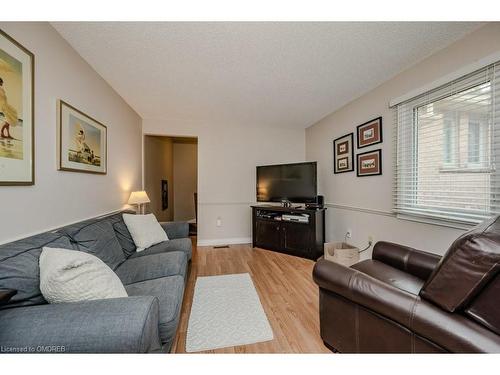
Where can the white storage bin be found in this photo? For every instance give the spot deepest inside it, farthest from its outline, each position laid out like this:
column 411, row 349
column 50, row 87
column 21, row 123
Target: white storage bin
column 342, row 253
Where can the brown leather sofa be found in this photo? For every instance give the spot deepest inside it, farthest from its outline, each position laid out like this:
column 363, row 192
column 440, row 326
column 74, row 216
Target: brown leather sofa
column 409, row 301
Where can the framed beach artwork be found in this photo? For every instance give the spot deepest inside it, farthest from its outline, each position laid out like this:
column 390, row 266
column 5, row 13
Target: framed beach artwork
column 369, row 163
column 82, row 141
column 343, row 154
column 370, row 133
column 17, row 134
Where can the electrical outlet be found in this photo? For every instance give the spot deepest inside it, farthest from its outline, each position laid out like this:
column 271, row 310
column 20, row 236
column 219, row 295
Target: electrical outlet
column 218, row 222
column 348, row 234
column 370, row 240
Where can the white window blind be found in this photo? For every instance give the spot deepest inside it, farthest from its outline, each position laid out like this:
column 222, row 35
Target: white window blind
column 447, row 151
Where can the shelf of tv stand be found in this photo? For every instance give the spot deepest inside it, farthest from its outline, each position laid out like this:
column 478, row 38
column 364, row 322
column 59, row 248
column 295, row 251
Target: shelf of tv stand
column 282, row 221
column 303, row 239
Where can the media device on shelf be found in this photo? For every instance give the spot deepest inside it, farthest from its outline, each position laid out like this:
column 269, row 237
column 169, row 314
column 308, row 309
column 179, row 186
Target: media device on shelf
column 287, row 183
column 299, row 218
column 320, row 203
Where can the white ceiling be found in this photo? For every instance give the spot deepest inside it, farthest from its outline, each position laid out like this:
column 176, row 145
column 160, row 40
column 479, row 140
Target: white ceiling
column 252, row 74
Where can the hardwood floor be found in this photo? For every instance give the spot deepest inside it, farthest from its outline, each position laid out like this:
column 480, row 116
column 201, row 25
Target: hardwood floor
column 286, row 290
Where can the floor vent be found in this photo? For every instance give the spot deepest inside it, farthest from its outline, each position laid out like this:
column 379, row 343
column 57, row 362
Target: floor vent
column 221, row 247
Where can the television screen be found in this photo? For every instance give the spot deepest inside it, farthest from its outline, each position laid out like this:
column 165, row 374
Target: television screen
column 294, row 182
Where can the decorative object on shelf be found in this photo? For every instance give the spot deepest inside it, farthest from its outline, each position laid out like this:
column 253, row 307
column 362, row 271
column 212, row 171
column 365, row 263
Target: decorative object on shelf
column 82, row 141
column 370, row 133
column 164, row 194
column 369, row 163
column 343, row 154
column 17, row 122
column 139, row 198
column 341, row 253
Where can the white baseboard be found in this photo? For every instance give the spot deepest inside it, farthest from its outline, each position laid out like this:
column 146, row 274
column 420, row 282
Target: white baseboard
column 225, row 241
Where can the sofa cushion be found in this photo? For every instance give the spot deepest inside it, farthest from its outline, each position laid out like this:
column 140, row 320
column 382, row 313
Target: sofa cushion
column 75, row 276
column 390, row 275
column 145, row 230
column 122, row 234
column 125, row 238
column 19, row 267
column 169, row 291
column 134, row 270
column 97, row 237
column 175, row 229
column 485, row 308
column 179, row 244
column 468, row 265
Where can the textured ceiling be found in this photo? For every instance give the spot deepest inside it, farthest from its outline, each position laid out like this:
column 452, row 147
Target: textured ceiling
column 252, row 74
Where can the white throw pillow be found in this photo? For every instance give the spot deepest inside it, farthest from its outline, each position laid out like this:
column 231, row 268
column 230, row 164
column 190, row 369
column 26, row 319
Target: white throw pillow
column 145, row 230
column 74, row 276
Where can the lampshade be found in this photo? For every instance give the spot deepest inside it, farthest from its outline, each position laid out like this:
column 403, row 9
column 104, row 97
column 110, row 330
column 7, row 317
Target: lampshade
column 138, row 197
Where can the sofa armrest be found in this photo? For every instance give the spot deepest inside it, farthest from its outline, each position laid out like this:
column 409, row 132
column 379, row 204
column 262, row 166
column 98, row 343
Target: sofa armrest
column 415, row 262
column 365, row 290
column 454, row 332
column 176, row 229
column 117, row 325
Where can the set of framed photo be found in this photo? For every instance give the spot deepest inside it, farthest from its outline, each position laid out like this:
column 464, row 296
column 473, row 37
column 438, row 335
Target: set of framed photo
column 81, row 140
column 368, row 163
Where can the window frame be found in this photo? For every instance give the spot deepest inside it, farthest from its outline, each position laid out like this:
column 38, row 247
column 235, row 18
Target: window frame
column 409, row 195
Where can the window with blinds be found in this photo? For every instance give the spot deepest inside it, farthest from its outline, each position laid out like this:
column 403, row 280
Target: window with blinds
column 447, row 147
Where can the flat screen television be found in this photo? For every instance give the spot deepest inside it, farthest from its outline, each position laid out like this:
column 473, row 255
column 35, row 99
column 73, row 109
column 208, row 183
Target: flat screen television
column 296, row 183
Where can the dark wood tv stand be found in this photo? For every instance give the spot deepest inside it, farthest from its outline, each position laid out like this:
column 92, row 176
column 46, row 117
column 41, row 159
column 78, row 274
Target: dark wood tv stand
column 303, row 239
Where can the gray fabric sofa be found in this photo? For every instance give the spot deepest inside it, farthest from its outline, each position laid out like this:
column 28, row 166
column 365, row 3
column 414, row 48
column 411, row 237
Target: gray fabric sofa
column 144, row 322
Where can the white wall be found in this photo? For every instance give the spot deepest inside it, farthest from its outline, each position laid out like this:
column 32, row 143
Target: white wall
column 58, row 198
column 227, row 157
column 364, row 204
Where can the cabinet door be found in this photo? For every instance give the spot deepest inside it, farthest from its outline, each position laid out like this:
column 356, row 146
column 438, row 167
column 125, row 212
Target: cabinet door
column 297, row 238
column 268, row 235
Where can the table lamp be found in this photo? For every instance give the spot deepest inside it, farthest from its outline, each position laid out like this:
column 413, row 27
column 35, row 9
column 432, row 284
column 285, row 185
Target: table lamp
column 139, row 198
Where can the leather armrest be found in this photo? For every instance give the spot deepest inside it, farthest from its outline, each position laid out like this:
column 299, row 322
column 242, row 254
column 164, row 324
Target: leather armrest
column 365, row 290
column 451, row 331
column 415, row 262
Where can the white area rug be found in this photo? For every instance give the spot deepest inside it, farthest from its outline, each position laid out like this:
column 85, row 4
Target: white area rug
column 226, row 311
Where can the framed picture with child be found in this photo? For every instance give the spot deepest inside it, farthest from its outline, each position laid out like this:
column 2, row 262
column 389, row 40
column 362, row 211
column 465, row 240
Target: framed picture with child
column 17, row 166
column 82, row 141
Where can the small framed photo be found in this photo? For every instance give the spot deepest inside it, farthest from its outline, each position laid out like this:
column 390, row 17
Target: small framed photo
column 17, row 120
column 82, row 141
column 343, row 154
column 369, row 163
column 370, row 133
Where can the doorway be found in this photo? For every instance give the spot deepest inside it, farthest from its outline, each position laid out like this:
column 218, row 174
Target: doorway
column 171, row 178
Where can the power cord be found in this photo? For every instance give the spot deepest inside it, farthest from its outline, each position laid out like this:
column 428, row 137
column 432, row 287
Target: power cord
column 366, row 248
column 370, row 242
